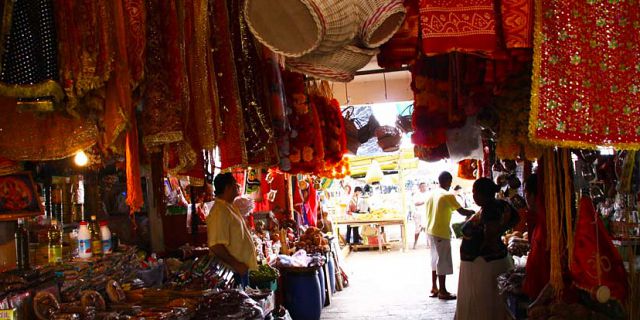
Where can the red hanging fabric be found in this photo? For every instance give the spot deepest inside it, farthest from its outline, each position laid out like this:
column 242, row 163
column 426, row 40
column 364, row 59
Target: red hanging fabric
column 458, row 25
column 596, row 261
column 517, row 23
column 586, row 79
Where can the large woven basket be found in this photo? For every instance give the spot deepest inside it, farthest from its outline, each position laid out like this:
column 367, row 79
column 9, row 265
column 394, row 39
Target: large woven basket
column 319, row 72
column 346, row 60
column 294, row 28
column 379, row 20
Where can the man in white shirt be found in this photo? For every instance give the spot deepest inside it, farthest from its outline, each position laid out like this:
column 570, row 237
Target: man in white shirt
column 419, row 215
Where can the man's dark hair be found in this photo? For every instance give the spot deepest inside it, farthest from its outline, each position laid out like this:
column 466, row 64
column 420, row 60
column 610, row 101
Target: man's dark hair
column 457, row 187
column 357, row 189
column 445, row 177
column 221, row 181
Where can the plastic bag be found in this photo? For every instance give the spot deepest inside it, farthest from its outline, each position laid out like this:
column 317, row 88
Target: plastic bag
column 465, row 142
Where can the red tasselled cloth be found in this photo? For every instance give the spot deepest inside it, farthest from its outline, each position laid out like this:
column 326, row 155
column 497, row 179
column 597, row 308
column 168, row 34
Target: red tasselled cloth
column 596, row 261
column 458, row 25
column 586, row 78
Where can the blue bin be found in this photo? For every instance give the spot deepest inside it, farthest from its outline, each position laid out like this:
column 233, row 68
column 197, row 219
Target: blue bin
column 302, row 293
column 323, row 285
column 332, row 273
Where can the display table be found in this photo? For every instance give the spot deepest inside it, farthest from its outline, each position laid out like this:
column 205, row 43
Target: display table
column 379, row 223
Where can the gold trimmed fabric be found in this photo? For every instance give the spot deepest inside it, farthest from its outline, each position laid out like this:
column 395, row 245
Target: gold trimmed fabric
column 586, row 81
column 39, row 137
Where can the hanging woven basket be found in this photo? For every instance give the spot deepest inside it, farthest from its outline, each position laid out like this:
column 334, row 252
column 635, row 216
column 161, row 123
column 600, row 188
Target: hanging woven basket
column 340, row 65
column 379, row 20
column 295, row 28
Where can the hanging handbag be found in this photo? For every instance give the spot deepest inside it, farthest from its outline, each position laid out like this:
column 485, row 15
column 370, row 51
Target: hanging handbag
column 404, row 119
column 351, row 125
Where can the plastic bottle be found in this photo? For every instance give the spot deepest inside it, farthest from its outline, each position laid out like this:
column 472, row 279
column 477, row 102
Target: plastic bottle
column 22, row 246
column 96, row 240
column 105, row 236
column 55, row 243
column 84, row 241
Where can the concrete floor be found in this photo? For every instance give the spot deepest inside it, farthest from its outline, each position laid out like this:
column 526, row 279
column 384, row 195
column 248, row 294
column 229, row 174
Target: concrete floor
column 392, row 285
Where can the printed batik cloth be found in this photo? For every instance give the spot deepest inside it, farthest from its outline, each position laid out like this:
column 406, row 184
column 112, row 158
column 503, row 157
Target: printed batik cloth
column 586, row 88
column 458, row 25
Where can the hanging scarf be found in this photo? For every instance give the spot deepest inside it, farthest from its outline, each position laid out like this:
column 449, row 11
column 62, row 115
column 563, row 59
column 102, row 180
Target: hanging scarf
column 231, row 141
column 458, row 25
column 596, row 262
column 517, row 23
column 586, row 83
column 85, row 46
column 258, row 128
column 29, row 55
column 162, row 121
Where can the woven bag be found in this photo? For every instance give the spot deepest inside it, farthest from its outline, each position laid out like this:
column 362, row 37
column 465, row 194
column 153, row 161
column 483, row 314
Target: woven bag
column 379, row 20
column 294, row 28
column 389, row 138
column 351, row 129
column 403, row 121
column 339, row 65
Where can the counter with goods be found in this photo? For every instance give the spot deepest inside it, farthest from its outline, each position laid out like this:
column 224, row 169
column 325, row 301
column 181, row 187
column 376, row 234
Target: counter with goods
column 126, row 285
column 376, row 219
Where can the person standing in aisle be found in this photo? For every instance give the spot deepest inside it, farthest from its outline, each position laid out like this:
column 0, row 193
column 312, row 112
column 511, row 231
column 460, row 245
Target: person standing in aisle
column 355, row 205
column 228, row 236
column 439, row 206
column 484, row 255
column 420, row 212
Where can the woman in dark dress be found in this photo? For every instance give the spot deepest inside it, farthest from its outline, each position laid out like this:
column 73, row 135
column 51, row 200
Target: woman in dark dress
column 484, row 255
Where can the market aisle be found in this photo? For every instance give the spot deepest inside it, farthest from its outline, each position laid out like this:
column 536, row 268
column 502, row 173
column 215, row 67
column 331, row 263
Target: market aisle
column 392, row 285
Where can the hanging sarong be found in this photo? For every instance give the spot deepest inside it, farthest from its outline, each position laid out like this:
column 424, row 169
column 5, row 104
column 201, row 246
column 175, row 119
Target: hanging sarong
column 586, row 82
column 29, row 59
column 458, row 25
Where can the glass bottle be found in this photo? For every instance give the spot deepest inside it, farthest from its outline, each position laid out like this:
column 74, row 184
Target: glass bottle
column 96, row 239
column 55, row 243
column 22, row 246
column 56, row 203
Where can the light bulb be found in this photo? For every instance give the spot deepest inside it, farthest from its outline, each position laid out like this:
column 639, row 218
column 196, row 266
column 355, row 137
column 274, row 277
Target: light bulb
column 81, row 159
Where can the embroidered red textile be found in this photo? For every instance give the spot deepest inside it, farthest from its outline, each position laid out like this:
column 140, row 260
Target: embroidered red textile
column 586, row 89
column 517, row 23
column 596, row 261
column 458, row 25
column 231, row 140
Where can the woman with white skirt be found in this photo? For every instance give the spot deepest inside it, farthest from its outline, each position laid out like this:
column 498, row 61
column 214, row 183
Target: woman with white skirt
column 484, row 255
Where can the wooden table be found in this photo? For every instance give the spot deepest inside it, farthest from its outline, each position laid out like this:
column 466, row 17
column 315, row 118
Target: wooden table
column 379, row 223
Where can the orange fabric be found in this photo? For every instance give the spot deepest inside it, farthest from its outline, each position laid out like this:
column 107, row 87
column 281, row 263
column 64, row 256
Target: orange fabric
column 119, row 100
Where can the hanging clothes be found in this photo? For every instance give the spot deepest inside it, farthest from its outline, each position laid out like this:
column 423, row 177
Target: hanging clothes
column 586, row 78
column 597, row 262
column 231, row 141
column 29, row 60
column 458, row 25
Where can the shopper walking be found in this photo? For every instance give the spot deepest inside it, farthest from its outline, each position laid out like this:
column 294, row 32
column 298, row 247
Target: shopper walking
column 439, row 206
column 484, row 255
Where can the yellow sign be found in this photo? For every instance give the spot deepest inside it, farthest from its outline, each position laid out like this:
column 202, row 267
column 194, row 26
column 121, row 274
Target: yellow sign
column 10, row 314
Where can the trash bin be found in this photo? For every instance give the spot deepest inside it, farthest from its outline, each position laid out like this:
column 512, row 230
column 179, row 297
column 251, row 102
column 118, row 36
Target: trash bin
column 302, row 292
